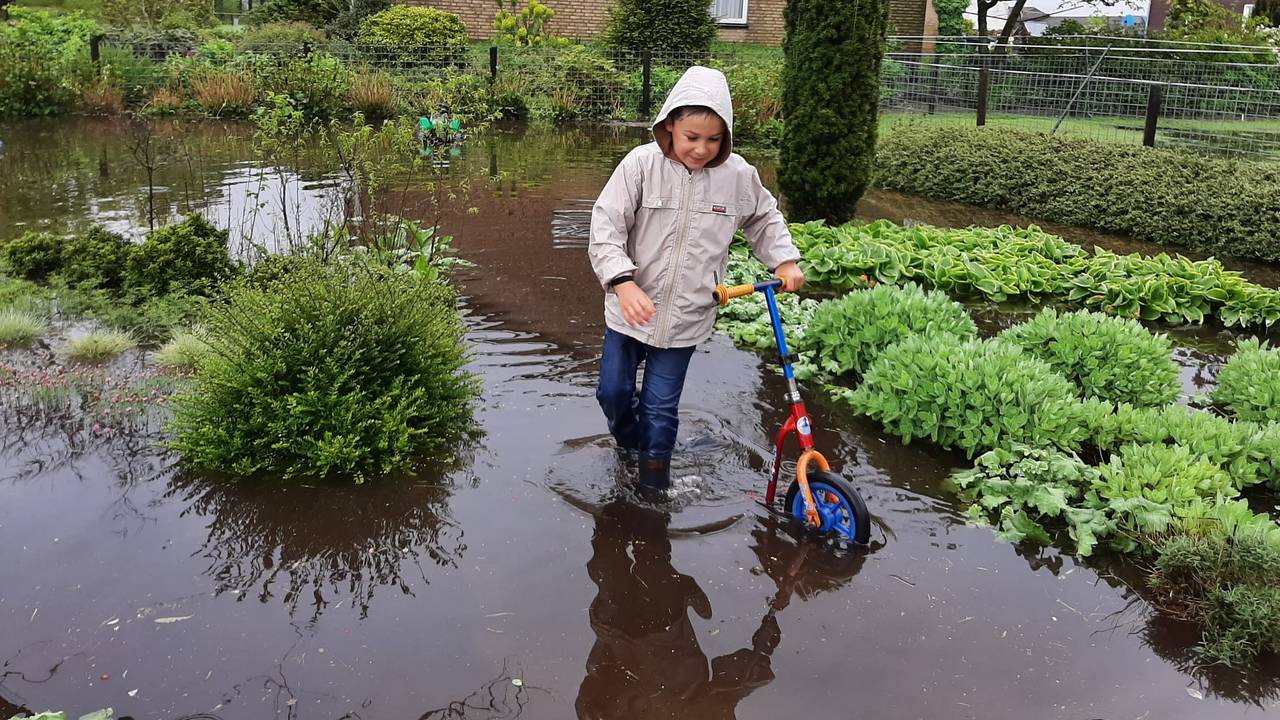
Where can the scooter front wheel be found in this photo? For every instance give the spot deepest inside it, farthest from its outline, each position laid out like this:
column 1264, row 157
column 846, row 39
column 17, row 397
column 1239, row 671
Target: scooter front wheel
column 842, row 512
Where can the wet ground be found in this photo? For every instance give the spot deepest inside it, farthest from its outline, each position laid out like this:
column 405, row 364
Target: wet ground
column 518, row 583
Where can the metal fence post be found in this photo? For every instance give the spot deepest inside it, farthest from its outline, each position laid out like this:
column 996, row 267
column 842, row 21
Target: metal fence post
column 1155, row 97
column 95, row 53
column 493, row 63
column 984, row 82
column 646, row 86
column 933, row 87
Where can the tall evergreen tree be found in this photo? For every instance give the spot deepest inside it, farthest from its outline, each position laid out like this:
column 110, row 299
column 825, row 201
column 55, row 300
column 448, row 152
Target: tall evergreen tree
column 830, row 102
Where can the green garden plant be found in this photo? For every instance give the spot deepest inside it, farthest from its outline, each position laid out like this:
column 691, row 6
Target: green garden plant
column 19, row 327
column 1203, row 203
column 1108, row 358
column 828, row 149
column 413, row 36
column 189, row 257
column 660, row 26
column 33, row 255
column 183, row 351
column 847, row 334
column 1249, row 384
column 338, row 369
column 524, row 26
column 284, row 36
column 100, row 345
column 95, row 258
column 974, row 395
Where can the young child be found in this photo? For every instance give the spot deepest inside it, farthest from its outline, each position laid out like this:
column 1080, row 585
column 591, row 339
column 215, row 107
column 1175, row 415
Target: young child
column 660, row 234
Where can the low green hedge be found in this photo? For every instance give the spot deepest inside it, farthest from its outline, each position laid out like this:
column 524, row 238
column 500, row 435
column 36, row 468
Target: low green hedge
column 1229, row 207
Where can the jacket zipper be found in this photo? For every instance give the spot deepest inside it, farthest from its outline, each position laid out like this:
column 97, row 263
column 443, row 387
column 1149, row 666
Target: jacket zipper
column 665, row 326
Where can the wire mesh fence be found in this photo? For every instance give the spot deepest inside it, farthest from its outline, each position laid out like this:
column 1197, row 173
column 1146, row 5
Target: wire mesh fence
column 1219, row 99
column 1198, row 97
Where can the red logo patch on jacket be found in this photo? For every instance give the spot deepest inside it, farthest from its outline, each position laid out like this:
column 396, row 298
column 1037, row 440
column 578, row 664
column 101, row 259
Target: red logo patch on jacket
column 719, row 209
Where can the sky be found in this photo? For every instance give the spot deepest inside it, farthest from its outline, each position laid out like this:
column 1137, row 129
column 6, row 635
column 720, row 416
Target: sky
column 1070, row 8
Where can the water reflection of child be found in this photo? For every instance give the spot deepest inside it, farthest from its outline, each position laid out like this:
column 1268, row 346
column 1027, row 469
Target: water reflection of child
column 660, row 235
column 646, row 661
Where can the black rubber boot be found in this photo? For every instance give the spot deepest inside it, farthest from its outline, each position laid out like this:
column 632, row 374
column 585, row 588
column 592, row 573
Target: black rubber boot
column 655, row 478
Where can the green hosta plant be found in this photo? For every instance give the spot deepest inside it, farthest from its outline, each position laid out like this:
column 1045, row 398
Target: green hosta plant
column 1144, row 486
column 746, row 319
column 1109, row 358
column 975, row 395
column 1249, row 384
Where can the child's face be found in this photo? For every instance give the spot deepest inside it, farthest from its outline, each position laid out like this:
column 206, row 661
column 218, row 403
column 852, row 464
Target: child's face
column 695, row 139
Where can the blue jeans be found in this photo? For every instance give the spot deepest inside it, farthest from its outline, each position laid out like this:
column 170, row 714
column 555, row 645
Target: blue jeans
column 646, row 421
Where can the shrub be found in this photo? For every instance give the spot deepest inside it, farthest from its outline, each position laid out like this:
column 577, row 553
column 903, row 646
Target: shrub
column 33, row 80
column 974, row 395
column 285, row 37
column 565, row 82
column 103, row 96
column 19, row 327
column 413, row 36
column 317, row 85
column 1143, row 486
column 1249, row 384
column 527, row 26
column 99, row 345
column 182, row 351
column 1208, row 204
column 661, row 26
column 661, row 80
column 373, row 94
column 340, row 19
column 188, row 257
column 217, row 52
column 828, row 148
column 163, row 102
column 757, row 101
column 96, row 258
column 224, row 93
column 847, row 334
column 33, row 255
column 467, row 96
column 1109, row 358
column 329, row 370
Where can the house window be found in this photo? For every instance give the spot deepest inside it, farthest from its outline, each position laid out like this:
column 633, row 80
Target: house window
column 729, row 12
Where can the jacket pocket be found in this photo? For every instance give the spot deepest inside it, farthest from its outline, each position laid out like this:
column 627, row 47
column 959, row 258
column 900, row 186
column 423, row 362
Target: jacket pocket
column 717, row 208
column 660, row 202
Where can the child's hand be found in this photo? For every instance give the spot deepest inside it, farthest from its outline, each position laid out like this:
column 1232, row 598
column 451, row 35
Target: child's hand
column 637, row 308
column 792, row 276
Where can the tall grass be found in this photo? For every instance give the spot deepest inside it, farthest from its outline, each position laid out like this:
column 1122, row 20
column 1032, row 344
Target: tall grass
column 224, row 93
column 373, row 94
column 19, row 327
column 99, row 345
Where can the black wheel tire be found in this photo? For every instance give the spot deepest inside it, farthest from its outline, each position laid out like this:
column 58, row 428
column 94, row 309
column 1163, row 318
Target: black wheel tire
column 861, row 520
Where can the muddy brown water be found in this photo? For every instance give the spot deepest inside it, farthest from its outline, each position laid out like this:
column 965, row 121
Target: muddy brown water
column 518, row 582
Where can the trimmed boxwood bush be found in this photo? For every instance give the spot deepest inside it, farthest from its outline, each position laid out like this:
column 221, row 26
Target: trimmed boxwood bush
column 33, row 255
column 189, row 257
column 330, row 369
column 96, row 258
column 1215, row 205
column 847, row 334
column 975, row 395
column 1109, row 358
column 661, row 26
column 831, row 99
column 1249, row 384
column 414, row 36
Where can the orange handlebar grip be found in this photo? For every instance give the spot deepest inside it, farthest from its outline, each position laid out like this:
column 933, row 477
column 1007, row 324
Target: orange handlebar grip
column 724, row 294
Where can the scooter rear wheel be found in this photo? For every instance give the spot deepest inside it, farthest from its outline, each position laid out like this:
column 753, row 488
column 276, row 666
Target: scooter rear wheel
column 843, row 514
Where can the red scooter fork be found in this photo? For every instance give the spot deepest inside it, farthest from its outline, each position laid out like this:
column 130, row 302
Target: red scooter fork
column 798, row 423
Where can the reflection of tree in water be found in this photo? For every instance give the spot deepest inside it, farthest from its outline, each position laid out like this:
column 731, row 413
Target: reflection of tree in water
column 505, row 696
column 328, row 540
column 646, row 661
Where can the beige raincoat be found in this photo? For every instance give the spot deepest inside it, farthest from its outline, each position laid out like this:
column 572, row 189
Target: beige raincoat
column 671, row 228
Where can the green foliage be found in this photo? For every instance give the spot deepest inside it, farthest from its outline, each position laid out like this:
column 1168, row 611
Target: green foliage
column 216, row 52
column 318, row 85
column 1207, row 204
column 661, row 80
column 467, row 95
column 96, row 258
column 414, row 36
column 1002, row 263
column 284, row 36
column 43, row 57
column 19, row 327
column 564, row 82
column 1109, row 358
column 756, row 88
column 524, row 26
column 182, row 351
column 951, row 20
column 163, row 14
column 1243, row 622
column 747, row 320
column 1249, row 384
column 99, row 345
column 1144, row 485
column 847, row 334
column 332, row 369
column 660, row 26
column 341, row 18
column 33, row 255
column 189, row 257
column 830, row 97
column 975, row 395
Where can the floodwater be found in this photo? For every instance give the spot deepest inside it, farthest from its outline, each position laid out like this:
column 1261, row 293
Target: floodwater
column 518, row 582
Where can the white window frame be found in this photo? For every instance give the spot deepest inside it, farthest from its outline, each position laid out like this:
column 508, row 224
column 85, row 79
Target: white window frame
column 735, row 22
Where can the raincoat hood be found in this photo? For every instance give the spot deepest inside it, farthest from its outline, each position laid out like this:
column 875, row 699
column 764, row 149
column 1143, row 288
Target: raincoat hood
column 698, row 86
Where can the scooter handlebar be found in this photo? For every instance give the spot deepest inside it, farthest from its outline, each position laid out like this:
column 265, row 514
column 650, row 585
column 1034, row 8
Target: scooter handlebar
column 724, row 293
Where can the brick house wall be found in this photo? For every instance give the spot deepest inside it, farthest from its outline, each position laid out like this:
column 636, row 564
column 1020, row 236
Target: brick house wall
column 581, row 19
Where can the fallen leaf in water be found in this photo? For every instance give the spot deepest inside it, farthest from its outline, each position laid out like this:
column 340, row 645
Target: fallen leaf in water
column 171, row 620
column 517, row 682
column 133, row 692
column 1195, row 693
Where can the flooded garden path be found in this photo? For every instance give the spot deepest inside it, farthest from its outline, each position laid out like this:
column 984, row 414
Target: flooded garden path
column 514, row 582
